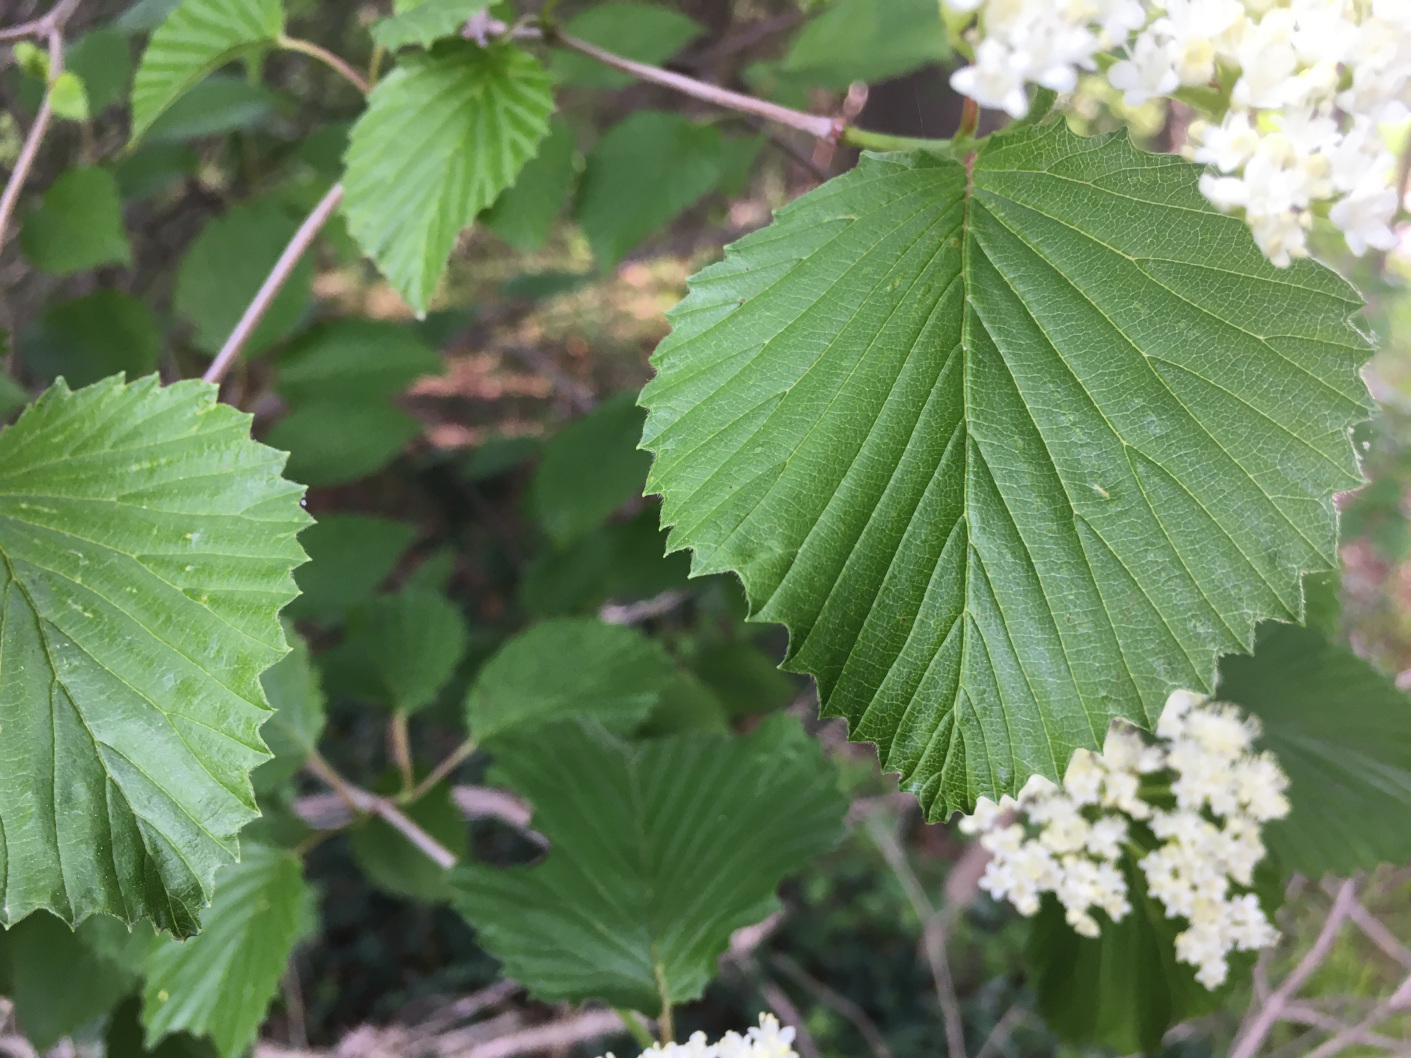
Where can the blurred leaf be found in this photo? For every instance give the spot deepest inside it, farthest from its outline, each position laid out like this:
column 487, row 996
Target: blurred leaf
column 103, row 59
column 568, row 667
column 395, row 865
column 645, row 32
column 1123, row 988
column 220, row 983
column 349, row 556
column 79, row 225
column 1322, row 602
column 542, row 286
column 32, row 60
column 413, row 641
column 498, row 455
column 434, row 573
column 868, row 40
column 329, row 443
column 525, row 212
column 443, row 134
column 69, row 98
column 686, row 705
column 591, row 467
column 198, row 38
column 645, row 171
column 743, row 678
column 623, row 562
column 145, row 16
column 124, row 1037
column 426, row 23
column 154, row 168
column 1342, row 732
column 737, row 166
column 61, row 979
column 217, row 105
column 292, row 687
column 147, row 544
column 12, row 395
column 353, row 360
column 93, row 337
column 224, row 268
column 659, row 851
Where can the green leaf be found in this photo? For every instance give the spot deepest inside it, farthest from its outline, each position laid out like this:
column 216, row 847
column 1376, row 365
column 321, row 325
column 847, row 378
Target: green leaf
column 155, row 168
column 124, row 1037
column 868, row 40
column 395, row 865
column 79, row 225
column 32, row 60
column 659, row 851
column 442, row 136
column 568, row 667
column 91, row 338
column 644, row 172
column 1013, row 462
column 743, row 678
column 224, row 268
column 292, row 733
column 623, row 562
column 198, row 38
column 1125, row 987
column 644, row 32
column 353, row 360
column 220, row 984
column 525, row 212
column 69, row 98
column 349, row 556
column 686, row 705
column 413, row 641
column 13, row 396
column 61, row 979
column 103, row 59
column 146, row 545
column 426, row 23
column 1342, row 732
column 329, row 443
column 216, row 106
column 591, row 468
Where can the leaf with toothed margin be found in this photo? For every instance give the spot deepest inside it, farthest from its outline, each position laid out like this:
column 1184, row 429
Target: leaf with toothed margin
column 1012, row 446
column 146, row 544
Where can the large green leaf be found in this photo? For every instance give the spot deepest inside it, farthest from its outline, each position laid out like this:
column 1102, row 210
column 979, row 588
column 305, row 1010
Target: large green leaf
column 349, row 556
column 1010, row 453
column 659, row 850
column 1342, row 732
column 569, row 667
column 79, row 225
column 220, row 983
column 103, row 58
column 196, row 39
column 442, row 136
column 330, row 443
column 525, row 212
column 591, row 468
column 412, row 642
column 146, row 545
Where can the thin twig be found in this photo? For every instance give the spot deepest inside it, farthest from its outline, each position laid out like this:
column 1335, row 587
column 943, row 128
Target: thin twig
column 1302, row 1014
column 333, row 62
column 999, row 1035
column 450, row 764
column 44, row 25
column 935, row 926
column 274, row 283
column 1251, row 1038
column 11, row 196
column 1379, row 935
column 785, row 1011
column 816, row 125
column 866, row 1027
column 366, row 803
column 1350, row 1036
column 401, row 744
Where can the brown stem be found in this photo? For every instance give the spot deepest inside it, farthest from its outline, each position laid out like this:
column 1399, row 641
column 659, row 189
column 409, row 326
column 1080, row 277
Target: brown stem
column 333, row 62
column 11, row 196
column 365, row 803
column 1248, row 1042
column 274, row 283
column 969, row 119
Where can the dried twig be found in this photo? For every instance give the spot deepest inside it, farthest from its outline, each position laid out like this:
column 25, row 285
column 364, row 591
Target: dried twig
column 1251, row 1036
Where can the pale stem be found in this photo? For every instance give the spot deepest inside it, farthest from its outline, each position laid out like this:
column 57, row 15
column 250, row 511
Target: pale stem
column 1352, row 1035
column 333, row 62
column 450, row 764
column 366, row 803
column 274, row 283
column 1248, row 1042
column 11, row 196
column 402, row 748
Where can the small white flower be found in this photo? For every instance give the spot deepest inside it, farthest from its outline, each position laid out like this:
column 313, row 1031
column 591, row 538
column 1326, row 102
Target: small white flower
column 1364, row 215
column 996, row 79
column 1149, row 72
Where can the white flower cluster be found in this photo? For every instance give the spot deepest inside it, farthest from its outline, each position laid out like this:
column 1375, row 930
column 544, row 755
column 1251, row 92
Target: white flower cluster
column 767, row 1040
column 1209, row 793
column 1310, row 86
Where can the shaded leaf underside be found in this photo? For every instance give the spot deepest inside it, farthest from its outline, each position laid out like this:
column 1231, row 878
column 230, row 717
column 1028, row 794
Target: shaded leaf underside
column 1010, row 454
